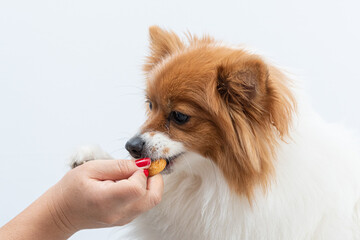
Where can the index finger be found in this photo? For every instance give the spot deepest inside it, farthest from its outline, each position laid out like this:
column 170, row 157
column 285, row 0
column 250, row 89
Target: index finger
column 110, row 169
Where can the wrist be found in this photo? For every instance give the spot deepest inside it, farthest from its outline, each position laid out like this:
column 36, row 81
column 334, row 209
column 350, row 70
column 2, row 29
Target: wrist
column 43, row 219
column 59, row 212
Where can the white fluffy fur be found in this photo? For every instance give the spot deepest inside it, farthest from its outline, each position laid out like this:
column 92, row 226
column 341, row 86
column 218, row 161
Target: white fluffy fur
column 315, row 194
column 158, row 145
column 87, row 153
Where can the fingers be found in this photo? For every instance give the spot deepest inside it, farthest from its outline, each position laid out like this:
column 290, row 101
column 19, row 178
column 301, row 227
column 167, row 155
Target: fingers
column 110, row 169
column 152, row 196
column 155, row 186
column 142, row 194
column 139, row 178
column 128, row 183
column 130, row 189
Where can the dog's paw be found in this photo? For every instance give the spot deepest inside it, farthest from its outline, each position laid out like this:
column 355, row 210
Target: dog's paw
column 87, row 153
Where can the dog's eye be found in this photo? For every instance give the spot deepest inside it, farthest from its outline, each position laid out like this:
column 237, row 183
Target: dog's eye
column 150, row 105
column 179, row 118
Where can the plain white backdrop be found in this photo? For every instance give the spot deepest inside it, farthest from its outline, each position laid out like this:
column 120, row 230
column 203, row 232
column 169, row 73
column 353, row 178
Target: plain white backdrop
column 70, row 73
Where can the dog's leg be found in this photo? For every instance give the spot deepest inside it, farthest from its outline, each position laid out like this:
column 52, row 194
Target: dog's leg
column 87, row 153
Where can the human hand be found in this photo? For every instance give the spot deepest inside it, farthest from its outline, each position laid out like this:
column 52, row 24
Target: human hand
column 103, row 193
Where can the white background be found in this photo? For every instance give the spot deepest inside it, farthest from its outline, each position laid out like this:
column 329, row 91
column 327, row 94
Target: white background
column 70, row 73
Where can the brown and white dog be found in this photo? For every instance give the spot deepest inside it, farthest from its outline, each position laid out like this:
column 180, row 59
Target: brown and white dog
column 241, row 163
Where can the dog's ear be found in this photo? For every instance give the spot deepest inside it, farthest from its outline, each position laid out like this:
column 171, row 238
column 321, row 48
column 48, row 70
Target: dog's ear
column 248, row 86
column 242, row 82
column 162, row 44
column 259, row 105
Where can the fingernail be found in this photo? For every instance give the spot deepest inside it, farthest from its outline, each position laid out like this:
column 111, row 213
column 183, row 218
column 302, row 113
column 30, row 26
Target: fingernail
column 143, row 162
column 146, row 172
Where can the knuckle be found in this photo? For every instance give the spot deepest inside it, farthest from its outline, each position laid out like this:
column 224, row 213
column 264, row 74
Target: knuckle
column 123, row 166
column 136, row 190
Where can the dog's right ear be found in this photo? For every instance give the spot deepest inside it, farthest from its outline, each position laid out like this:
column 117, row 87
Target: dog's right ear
column 162, row 44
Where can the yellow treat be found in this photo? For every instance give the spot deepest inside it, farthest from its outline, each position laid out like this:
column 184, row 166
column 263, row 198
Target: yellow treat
column 157, row 166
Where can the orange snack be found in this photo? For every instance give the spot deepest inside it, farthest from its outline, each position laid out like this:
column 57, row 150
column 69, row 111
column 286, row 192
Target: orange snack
column 157, row 166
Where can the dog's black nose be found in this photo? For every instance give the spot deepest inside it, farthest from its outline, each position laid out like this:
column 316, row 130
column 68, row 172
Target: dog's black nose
column 135, row 146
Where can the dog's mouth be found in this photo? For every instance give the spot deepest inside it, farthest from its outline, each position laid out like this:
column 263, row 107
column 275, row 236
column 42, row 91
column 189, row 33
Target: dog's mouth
column 169, row 162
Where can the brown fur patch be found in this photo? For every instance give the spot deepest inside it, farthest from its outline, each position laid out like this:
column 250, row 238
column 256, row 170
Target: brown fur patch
column 166, row 150
column 240, row 106
column 153, row 149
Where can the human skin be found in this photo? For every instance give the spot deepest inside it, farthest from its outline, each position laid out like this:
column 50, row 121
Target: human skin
column 97, row 194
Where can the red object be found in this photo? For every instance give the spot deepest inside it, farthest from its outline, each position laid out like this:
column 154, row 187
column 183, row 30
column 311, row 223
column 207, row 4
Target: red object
column 143, row 162
column 146, row 172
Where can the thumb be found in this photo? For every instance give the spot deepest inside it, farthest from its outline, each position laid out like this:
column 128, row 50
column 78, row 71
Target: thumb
column 110, row 169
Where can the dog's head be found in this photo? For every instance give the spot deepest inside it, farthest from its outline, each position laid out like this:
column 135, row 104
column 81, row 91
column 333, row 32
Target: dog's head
column 220, row 102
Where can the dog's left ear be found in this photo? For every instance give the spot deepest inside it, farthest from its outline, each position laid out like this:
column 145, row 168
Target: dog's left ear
column 259, row 105
column 260, row 93
column 162, row 44
column 242, row 82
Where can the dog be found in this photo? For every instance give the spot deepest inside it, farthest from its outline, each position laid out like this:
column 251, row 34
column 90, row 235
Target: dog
column 247, row 159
